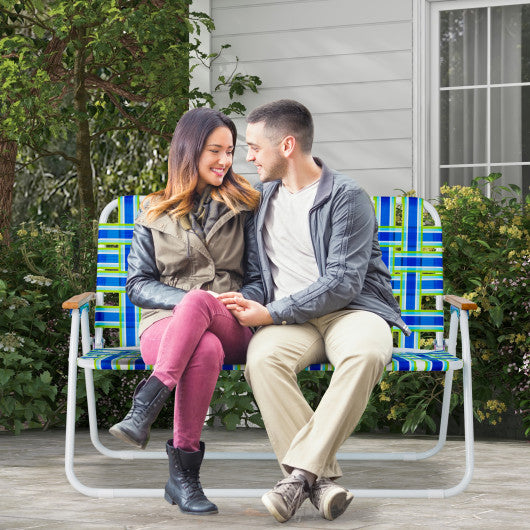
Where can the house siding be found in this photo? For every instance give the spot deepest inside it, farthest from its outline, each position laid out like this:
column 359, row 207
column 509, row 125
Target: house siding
column 348, row 61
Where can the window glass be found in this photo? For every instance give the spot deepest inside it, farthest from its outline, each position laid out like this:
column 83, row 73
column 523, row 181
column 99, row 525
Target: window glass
column 463, row 126
column 467, row 114
column 463, row 45
column 506, row 123
column 510, row 44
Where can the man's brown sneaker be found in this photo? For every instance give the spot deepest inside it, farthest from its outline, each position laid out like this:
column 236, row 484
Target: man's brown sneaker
column 330, row 499
column 286, row 497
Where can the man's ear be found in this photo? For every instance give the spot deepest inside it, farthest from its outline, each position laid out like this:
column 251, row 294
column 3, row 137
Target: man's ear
column 287, row 146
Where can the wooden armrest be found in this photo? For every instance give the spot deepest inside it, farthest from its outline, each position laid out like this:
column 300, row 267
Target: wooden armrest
column 78, row 300
column 458, row 301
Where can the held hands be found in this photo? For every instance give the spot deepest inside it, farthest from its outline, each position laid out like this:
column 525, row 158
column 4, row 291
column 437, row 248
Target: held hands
column 247, row 312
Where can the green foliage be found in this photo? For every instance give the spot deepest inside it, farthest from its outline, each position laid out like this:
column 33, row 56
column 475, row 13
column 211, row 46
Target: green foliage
column 233, row 402
column 77, row 76
column 26, row 389
column 487, row 260
column 37, row 271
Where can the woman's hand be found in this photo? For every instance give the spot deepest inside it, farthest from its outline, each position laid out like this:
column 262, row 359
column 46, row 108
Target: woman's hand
column 247, row 312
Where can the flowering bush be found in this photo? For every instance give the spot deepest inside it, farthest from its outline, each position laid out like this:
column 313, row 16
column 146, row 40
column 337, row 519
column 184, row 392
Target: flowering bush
column 36, row 272
column 487, row 258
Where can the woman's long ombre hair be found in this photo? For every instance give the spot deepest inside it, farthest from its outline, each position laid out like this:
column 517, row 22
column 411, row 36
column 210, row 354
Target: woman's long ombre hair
column 187, row 145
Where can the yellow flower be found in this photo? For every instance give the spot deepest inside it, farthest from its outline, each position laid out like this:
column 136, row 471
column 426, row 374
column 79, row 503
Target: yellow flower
column 383, row 397
column 521, row 337
column 34, row 233
column 514, row 232
column 384, row 385
column 22, row 232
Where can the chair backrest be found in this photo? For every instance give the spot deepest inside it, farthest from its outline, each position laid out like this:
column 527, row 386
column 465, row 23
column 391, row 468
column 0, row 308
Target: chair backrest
column 410, row 236
column 114, row 310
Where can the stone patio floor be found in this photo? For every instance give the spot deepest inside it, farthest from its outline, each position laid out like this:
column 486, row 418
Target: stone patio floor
column 34, row 491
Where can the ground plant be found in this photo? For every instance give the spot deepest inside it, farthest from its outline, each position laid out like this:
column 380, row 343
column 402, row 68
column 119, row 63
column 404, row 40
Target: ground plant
column 40, row 268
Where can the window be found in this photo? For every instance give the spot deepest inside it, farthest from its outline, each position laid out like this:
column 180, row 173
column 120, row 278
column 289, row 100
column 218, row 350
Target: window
column 481, row 92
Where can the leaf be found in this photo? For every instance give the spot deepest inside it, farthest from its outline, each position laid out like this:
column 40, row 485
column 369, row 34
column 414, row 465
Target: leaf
column 46, row 378
column 231, row 421
column 5, row 375
column 497, row 315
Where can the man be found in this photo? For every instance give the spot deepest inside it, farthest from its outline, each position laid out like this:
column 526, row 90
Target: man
column 327, row 297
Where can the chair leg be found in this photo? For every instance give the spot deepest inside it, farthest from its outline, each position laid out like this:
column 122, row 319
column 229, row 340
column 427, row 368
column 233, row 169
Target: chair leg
column 125, row 454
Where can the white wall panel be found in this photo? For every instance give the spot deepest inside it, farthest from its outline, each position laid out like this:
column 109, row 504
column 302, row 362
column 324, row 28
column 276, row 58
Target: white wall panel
column 368, row 154
column 315, row 42
column 348, row 61
column 358, row 68
column 258, row 17
column 336, row 98
column 382, row 181
column 341, row 126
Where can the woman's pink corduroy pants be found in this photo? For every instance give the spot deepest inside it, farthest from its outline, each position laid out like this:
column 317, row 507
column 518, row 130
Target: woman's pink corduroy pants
column 188, row 350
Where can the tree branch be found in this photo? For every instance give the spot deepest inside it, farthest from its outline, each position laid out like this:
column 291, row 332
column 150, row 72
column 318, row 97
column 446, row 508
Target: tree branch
column 134, row 120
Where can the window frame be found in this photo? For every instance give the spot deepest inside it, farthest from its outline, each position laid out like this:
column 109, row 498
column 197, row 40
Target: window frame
column 426, row 92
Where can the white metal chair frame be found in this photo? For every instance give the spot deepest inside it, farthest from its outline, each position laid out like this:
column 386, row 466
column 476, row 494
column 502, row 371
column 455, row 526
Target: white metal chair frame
column 80, row 329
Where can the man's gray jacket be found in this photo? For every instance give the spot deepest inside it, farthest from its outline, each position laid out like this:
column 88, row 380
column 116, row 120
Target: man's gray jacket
column 344, row 235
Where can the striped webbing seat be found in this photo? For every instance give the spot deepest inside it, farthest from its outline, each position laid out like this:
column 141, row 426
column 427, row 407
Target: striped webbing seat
column 411, row 251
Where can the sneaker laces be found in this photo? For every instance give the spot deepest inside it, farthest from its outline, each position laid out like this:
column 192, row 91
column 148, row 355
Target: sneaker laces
column 318, row 489
column 293, row 490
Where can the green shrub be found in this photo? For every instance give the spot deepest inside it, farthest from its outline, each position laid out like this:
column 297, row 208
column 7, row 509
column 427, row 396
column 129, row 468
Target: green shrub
column 36, row 271
column 487, row 259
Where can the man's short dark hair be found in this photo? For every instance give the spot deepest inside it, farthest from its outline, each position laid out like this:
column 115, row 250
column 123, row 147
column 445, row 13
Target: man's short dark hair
column 285, row 117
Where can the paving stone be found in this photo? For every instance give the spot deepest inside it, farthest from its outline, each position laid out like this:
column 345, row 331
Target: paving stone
column 35, row 494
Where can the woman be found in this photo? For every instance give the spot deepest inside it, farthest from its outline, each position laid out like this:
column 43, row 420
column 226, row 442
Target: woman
column 188, row 246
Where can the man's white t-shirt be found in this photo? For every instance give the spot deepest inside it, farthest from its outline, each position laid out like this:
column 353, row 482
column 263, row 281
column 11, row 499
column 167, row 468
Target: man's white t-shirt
column 288, row 240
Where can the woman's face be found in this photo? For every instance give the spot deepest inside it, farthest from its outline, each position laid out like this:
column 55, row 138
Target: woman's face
column 215, row 159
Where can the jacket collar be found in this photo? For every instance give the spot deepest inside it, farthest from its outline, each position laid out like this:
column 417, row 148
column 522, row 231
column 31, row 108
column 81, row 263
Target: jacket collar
column 166, row 224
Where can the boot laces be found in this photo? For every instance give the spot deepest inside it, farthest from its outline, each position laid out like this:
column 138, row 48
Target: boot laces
column 191, row 482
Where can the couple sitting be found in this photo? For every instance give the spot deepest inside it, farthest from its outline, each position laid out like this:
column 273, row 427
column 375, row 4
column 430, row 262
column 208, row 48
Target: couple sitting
column 213, row 259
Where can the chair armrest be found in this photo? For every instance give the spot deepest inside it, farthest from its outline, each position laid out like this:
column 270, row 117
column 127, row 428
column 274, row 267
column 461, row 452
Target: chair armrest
column 458, row 301
column 78, row 300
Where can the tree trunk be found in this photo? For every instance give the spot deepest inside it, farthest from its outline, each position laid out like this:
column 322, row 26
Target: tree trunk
column 85, row 184
column 8, row 155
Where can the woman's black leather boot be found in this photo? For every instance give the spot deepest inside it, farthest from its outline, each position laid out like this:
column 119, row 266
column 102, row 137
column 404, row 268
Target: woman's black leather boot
column 148, row 399
column 183, row 487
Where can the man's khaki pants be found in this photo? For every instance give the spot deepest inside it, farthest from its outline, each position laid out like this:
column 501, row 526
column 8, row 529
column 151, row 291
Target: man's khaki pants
column 357, row 343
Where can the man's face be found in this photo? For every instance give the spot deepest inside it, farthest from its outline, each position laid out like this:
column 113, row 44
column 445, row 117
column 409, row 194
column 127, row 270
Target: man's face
column 266, row 155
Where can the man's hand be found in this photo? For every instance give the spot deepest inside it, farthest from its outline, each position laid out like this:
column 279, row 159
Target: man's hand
column 247, row 312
